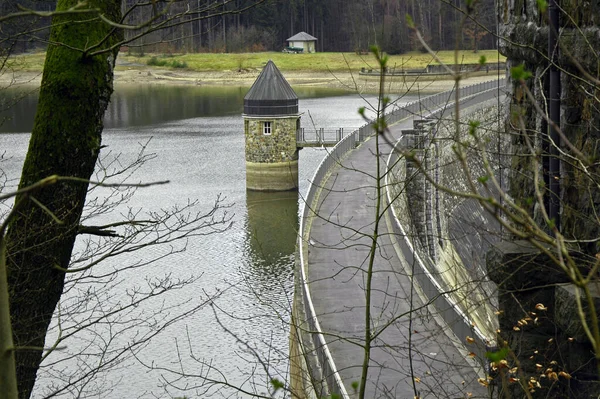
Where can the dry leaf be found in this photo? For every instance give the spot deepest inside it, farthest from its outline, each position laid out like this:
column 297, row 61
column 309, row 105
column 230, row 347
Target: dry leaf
column 564, row 374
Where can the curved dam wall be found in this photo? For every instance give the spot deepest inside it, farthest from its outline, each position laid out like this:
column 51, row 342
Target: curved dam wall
column 448, row 234
column 313, row 369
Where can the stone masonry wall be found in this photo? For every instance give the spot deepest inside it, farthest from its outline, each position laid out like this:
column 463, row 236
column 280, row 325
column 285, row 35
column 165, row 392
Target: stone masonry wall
column 279, row 146
column 526, row 31
column 538, row 318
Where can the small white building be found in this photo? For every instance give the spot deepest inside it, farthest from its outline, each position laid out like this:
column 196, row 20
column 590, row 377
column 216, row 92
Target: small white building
column 305, row 41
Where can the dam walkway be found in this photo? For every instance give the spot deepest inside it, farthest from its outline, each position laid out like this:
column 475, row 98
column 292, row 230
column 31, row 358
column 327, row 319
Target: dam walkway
column 414, row 349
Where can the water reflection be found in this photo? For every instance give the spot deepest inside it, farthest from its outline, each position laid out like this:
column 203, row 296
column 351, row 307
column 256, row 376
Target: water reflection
column 17, row 108
column 135, row 105
column 271, row 226
column 143, row 105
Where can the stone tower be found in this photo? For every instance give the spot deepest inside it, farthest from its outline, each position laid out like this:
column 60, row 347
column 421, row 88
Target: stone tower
column 271, row 121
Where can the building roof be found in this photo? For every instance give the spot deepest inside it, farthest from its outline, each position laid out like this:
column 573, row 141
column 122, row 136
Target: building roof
column 271, row 94
column 301, row 37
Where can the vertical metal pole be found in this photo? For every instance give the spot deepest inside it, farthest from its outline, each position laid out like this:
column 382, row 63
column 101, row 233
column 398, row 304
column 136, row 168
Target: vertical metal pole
column 554, row 110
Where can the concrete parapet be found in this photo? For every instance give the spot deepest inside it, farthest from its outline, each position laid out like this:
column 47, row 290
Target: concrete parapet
column 306, row 375
column 276, row 176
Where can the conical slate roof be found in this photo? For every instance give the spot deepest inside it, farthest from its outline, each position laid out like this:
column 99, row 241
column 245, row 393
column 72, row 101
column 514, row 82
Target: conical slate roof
column 271, row 94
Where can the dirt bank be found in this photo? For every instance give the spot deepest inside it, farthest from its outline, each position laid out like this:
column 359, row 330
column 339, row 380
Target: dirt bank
column 343, row 80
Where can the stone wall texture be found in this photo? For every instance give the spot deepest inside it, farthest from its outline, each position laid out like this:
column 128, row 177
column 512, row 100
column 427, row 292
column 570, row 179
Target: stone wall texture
column 279, row 146
column 539, row 316
column 525, row 30
column 271, row 160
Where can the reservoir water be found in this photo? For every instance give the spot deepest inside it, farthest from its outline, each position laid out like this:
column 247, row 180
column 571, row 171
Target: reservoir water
column 224, row 323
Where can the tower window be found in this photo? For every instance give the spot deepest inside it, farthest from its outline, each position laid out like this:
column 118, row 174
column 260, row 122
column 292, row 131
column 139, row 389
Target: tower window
column 267, row 128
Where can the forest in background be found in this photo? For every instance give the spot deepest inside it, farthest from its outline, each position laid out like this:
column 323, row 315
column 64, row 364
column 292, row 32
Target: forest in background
column 339, row 25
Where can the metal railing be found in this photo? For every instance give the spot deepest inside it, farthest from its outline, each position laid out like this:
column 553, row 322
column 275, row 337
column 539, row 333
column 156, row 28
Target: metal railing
column 321, row 136
column 427, row 106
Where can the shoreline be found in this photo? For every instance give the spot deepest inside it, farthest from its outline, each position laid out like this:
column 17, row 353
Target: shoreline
column 351, row 82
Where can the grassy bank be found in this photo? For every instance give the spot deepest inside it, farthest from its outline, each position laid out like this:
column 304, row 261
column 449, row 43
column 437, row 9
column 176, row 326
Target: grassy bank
column 317, row 62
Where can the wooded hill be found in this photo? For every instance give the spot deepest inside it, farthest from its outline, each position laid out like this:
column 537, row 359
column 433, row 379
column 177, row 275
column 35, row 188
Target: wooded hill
column 339, row 25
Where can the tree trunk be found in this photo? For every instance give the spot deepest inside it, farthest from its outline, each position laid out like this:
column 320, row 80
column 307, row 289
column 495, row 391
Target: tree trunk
column 65, row 141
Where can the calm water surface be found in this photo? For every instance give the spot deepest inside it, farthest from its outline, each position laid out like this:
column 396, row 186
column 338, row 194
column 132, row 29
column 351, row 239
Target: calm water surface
column 237, row 306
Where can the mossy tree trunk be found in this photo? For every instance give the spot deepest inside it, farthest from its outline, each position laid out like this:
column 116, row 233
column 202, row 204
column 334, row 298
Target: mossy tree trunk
column 65, row 140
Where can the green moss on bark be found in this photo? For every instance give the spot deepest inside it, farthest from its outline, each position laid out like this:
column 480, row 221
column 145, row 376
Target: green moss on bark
column 65, row 141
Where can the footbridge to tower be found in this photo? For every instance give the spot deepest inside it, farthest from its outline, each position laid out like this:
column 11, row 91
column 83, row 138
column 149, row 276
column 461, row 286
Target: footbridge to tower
column 422, row 308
